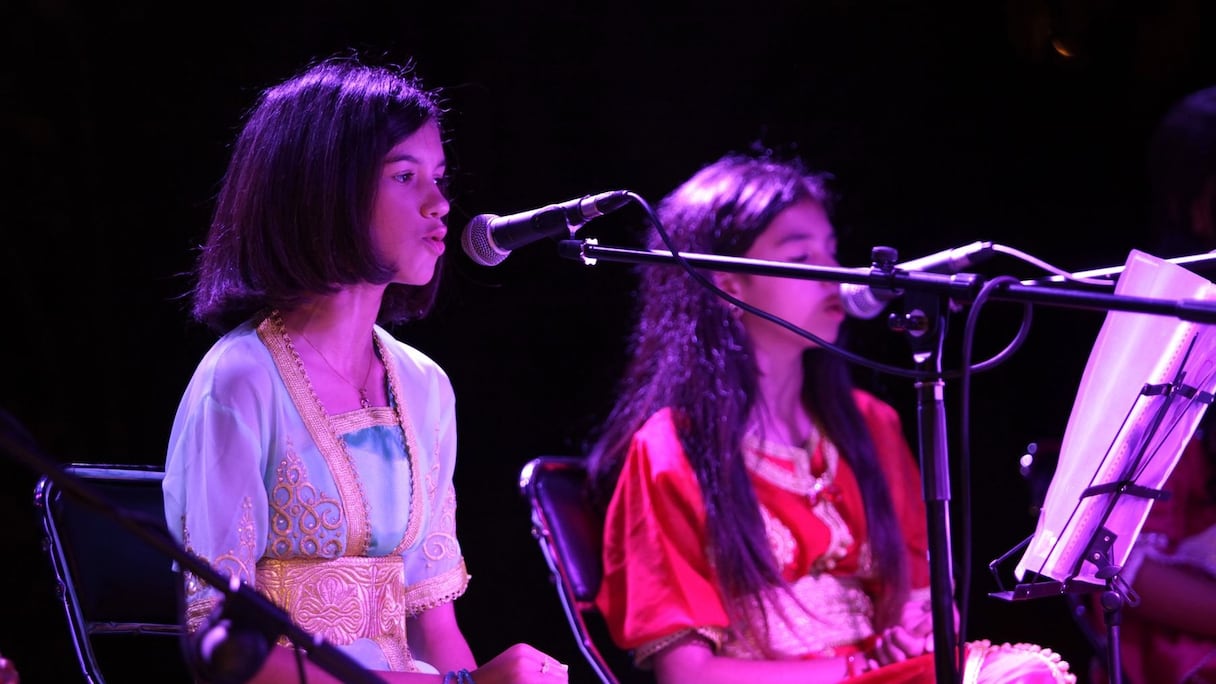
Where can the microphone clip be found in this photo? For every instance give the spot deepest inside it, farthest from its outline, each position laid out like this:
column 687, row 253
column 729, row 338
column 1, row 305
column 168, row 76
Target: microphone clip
column 883, row 263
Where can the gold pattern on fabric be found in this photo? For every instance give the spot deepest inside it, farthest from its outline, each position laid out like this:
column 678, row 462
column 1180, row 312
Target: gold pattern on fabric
column 714, row 635
column 411, row 450
column 780, row 538
column 793, row 475
column 396, row 654
column 789, row 468
column 344, row 599
column 229, row 564
column 353, row 421
column 838, row 613
column 197, row 611
column 436, row 591
column 440, row 542
column 303, row 521
column 273, row 334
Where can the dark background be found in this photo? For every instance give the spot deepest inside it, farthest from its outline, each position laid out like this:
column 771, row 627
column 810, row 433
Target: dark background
column 943, row 123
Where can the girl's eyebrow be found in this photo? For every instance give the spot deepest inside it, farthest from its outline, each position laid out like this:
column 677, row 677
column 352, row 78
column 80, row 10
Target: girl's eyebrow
column 797, row 235
column 407, row 157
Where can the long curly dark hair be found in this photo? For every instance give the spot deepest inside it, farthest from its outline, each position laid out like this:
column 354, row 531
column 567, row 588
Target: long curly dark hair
column 688, row 353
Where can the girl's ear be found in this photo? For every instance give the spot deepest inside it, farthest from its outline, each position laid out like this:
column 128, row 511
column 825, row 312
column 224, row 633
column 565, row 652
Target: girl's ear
column 731, row 284
column 728, row 282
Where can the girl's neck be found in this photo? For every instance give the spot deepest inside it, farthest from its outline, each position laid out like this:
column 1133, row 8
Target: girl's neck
column 335, row 347
column 338, row 327
column 780, row 415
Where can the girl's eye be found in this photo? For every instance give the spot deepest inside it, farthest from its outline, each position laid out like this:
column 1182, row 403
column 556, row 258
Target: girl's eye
column 404, row 177
column 444, row 184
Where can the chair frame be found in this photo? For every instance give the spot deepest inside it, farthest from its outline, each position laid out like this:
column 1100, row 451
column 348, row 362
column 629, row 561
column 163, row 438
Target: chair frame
column 52, row 502
column 576, row 602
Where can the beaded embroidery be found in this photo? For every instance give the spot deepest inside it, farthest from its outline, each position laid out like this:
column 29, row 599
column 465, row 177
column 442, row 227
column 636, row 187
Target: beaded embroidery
column 789, row 468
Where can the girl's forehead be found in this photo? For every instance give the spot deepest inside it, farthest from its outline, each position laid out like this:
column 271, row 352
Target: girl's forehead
column 804, row 220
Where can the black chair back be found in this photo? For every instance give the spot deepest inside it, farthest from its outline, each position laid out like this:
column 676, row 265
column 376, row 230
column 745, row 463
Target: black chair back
column 569, row 532
column 119, row 593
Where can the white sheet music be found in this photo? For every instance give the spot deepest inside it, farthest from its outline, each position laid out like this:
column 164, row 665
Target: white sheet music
column 1109, row 427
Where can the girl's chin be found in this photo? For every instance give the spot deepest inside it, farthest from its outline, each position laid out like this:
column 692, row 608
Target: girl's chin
column 417, row 277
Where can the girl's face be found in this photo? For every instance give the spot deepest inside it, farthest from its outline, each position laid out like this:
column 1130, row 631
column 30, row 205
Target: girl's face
column 800, row 234
column 407, row 215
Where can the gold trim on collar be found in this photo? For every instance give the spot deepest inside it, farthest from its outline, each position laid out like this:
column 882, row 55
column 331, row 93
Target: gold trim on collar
column 411, row 448
column 333, row 449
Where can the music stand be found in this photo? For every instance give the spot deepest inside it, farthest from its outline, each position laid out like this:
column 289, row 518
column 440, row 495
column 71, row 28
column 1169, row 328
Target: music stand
column 1147, row 384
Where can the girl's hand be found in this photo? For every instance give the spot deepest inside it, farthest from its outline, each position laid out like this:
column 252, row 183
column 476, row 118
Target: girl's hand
column 912, row 637
column 522, row 664
column 897, row 644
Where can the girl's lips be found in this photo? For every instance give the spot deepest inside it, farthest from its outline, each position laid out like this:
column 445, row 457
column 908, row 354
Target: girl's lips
column 436, row 243
column 435, row 240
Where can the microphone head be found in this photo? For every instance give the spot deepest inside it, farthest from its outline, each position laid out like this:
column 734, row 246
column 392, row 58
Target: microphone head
column 478, row 244
column 859, row 301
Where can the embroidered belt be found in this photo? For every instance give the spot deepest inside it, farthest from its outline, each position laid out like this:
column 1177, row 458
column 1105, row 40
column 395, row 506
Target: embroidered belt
column 344, row 599
column 837, row 613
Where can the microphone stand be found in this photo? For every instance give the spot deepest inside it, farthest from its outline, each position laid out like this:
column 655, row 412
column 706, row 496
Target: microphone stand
column 925, row 327
column 924, row 324
column 239, row 598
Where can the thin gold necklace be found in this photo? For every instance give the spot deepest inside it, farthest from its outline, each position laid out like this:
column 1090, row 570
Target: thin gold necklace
column 363, row 400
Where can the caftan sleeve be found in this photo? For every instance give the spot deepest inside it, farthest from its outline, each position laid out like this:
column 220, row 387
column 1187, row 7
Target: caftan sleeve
column 214, row 487
column 435, row 570
column 657, row 506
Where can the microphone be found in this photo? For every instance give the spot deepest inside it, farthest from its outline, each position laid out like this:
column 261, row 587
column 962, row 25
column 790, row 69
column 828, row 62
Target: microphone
column 863, row 301
column 488, row 239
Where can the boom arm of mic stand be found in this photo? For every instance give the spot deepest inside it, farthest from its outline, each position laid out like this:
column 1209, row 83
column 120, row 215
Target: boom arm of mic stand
column 271, row 619
column 1185, row 309
column 961, row 286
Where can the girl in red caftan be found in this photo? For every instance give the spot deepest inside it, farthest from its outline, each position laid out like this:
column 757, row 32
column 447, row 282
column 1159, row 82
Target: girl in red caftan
column 764, row 522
